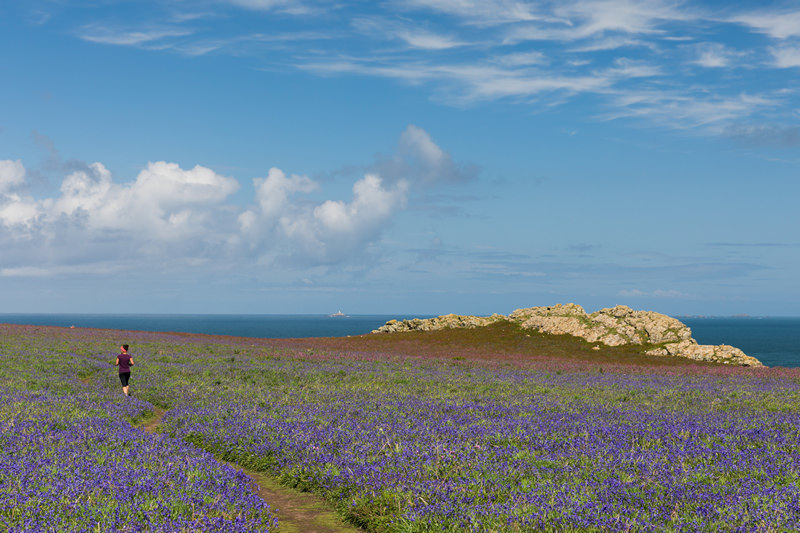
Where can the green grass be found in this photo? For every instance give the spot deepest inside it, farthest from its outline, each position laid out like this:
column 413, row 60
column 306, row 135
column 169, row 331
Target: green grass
column 501, row 341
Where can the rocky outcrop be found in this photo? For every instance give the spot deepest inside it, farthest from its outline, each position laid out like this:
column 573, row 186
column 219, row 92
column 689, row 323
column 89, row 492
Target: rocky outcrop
column 613, row 326
column 659, row 335
column 439, row 322
column 721, row 353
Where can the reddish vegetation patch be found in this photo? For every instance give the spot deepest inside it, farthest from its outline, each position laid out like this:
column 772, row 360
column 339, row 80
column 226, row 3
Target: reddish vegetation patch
column 500, row 343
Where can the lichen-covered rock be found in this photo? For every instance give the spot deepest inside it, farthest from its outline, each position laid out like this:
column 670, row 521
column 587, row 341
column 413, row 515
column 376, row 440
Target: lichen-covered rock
column 721, row 353
column 439, row 322
column 612, row 326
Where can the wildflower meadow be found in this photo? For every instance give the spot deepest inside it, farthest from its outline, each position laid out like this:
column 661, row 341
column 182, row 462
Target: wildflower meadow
column 394, row 441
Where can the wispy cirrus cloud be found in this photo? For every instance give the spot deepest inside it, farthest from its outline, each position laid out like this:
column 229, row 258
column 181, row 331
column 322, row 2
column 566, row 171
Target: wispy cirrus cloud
column 752, row 244
column 786, row 56
column 682, row 110
column 779, row 24
column 249, row 44
column 757, row 135
column 108, row 35
column 520, row 59
column 469, row 83
column 476, row 12
column 657, row 293
column 590, row 19
column 639, row 60
column 714, row 55
column 291, row 7
column 414, row 36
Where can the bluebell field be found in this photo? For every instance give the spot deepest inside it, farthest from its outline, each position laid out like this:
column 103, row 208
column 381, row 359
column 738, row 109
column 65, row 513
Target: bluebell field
column 393, row 443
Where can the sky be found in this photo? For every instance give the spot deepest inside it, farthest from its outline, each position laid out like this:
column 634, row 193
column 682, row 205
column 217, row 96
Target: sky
column 399, row 156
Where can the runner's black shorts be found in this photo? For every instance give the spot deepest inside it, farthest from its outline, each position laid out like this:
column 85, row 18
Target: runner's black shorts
column 124, row 377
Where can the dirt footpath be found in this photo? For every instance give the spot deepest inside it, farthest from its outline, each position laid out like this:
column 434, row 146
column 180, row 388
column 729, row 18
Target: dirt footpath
column 297, row 512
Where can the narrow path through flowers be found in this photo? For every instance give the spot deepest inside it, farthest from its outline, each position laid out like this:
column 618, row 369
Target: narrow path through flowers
column 297, row 512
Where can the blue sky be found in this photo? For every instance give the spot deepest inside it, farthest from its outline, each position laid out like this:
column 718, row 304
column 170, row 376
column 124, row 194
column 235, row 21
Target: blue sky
column 418, row 156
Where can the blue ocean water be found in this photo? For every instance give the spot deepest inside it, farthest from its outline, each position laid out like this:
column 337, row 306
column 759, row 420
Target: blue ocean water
column 774, row 341
column 260, row 326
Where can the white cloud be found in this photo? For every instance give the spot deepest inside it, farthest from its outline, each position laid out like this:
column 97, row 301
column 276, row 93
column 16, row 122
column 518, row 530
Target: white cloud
column 169, row 215
column 631, row 68
column 165, row 201
column 88, row 190
column 18, row 213
column 285, row 224
column 419, row 161
column 521, row 59
column 787, row 56
column 437, row 164
column 479, row 12
column 164, row 206
column 776, row 24
column 473, row 51
column 100, row 268
column 683, row 110
column 415, row 37
column 284, row 227
column 474, row 82
column 427, row 40
column 658, row 293
column 259, row 4
column 12, row 174
column 372, row 204
column 291, row 7
column 611, row 43
column 169, row 186
column 105, row 35
column 273, row 192
column 624, row 16
column 713, row 55
column 574, row 21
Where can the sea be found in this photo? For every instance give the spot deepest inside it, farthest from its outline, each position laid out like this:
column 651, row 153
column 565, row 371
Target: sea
column 775, row 341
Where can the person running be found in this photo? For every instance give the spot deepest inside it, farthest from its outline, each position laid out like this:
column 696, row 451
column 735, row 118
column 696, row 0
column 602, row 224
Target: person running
column 124, row 362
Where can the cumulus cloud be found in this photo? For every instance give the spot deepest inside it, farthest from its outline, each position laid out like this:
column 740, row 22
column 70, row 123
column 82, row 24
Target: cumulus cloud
column 165, row 201
column 169, row 214
column 421, row 162
column 284, row 227
column 166, row 209
column 12, row 174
